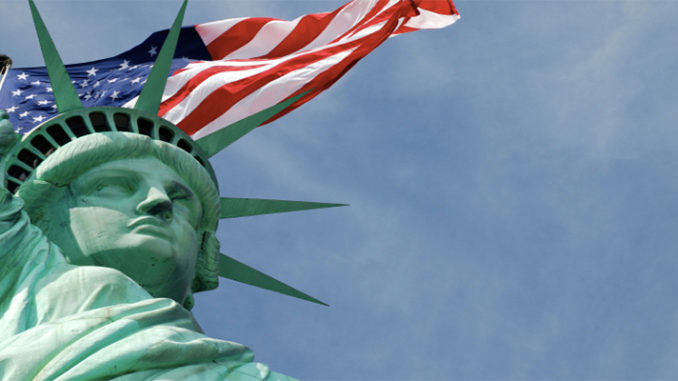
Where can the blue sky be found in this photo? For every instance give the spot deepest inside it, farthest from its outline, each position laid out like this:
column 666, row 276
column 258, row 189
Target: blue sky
column 513, row 191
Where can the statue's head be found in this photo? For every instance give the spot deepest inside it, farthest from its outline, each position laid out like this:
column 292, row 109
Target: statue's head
column 125, row 200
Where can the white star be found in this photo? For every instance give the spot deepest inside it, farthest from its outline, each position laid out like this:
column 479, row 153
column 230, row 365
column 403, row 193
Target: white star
column 87, row 96
column 29, row 97
column 37, row 83
column 96, row 84
column 84, row 83
column 124, row 65
column 49, row 90
column 11, row 109
column 114, row 96
column 136, row 80
column 16, row 92
column 92, row 71
column 43, row 102
column 112, row 80
column 153, row 51
column 22, row 76
column 23, row 114
column 38, row 119
column 54, row 107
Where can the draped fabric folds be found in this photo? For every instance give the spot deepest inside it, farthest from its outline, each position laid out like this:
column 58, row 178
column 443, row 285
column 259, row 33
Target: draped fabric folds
column 63, row 322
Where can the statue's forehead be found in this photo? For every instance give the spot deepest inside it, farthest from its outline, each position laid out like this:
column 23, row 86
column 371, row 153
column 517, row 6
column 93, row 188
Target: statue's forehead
column 134, row 169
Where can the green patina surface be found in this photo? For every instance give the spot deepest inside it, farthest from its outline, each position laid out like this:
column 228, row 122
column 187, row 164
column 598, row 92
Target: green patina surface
column 108, row 230
column 66, row 97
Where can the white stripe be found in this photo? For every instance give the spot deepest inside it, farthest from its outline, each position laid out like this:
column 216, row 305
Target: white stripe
column 272, row 93
column 360, row 33
column 232, row 63
column 177, row 81
column 431, row 20
column 268, row 37
column 211, row 30
column 196, row 68
column 207, row 87
column 347, row 18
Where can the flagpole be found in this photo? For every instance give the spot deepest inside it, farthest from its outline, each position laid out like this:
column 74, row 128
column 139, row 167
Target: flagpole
column 5, row 64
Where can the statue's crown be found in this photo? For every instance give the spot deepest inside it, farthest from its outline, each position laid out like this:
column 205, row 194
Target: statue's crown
column 47, row 138
column 75, row 121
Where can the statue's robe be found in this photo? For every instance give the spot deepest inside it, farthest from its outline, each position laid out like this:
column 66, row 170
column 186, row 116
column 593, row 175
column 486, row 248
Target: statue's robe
column 64, row 322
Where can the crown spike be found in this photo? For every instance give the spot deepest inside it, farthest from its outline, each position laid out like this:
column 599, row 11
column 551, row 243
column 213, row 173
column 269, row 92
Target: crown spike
column 217, row 141
column 151, row 95
column 240, row 272
column 64, row 93
column 242, row 207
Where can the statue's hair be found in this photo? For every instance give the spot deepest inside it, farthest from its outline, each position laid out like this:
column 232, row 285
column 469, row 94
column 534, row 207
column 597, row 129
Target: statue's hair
column 63, row 166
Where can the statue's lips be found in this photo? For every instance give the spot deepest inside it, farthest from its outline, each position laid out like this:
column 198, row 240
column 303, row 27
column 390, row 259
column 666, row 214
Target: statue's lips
column 150, row 226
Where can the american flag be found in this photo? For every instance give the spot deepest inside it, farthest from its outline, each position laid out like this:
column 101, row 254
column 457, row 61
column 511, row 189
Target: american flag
column 226, row 70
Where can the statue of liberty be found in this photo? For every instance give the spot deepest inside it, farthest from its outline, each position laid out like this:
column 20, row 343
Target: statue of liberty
column 107, row 227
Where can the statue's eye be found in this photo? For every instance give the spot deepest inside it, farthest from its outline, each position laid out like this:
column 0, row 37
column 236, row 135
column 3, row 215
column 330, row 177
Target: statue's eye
column 181, row 199
column 177, row 192
column 113, row 187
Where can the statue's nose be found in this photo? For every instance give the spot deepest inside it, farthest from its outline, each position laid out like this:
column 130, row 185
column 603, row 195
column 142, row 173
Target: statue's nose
column 157, row 203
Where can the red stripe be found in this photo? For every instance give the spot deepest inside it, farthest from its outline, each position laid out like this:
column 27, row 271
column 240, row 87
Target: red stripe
column 374, row 11
column 308, row 28
column 443, row 7
column 194, row 82
column 405, row 29
column 236, row 37
column 222, row 99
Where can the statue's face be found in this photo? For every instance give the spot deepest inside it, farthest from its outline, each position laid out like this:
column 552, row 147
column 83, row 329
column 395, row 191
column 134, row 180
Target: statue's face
column 137, row 216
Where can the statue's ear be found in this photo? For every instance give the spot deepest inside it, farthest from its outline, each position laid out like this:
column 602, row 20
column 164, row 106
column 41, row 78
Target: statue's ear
column 206, row 275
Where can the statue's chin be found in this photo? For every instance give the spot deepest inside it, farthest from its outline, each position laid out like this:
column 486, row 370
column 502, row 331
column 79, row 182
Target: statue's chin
column 150, row 258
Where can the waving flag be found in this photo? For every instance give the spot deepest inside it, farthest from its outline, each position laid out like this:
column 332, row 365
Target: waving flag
column 226, row 70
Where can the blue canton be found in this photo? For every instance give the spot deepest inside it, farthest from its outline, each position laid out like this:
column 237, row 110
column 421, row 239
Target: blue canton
column 27, row 93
